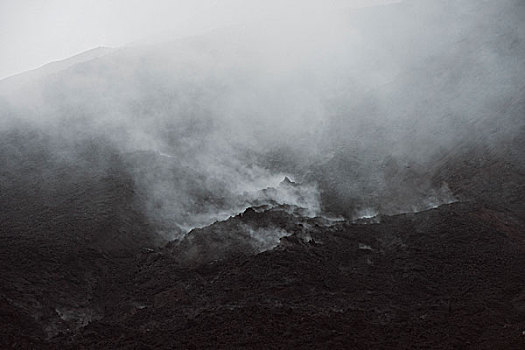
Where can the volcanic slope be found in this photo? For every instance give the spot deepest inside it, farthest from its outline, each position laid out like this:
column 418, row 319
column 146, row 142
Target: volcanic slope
column 447, row 277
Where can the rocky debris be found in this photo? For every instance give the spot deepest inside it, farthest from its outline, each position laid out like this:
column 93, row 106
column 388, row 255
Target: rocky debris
column 82, row 271
column 439, row 279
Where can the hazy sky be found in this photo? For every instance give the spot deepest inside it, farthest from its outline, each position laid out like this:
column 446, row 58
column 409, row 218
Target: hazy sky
column 36, row 32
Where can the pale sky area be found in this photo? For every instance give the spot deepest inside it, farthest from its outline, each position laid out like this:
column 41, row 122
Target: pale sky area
column 36, row 32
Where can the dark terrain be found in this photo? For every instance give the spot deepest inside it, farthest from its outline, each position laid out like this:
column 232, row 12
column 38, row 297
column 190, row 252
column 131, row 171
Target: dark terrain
column 449, row 277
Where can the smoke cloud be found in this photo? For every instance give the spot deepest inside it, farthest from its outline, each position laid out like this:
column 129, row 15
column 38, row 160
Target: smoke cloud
column 356, row 106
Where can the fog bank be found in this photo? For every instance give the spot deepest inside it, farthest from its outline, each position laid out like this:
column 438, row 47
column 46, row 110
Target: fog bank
column 356, row 106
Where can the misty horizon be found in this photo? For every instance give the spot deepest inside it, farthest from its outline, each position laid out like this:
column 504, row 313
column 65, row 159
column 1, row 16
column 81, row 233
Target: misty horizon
column 99, row 26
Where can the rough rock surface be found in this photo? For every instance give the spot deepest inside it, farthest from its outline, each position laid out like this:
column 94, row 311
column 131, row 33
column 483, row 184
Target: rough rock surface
column 449, row 277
